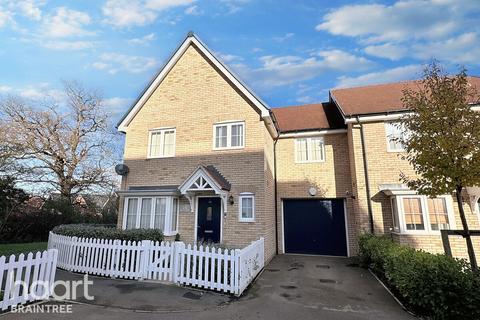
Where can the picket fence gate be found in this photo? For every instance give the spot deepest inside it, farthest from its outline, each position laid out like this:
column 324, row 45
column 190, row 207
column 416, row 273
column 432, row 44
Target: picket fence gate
column 27, row 278
column 199, row 266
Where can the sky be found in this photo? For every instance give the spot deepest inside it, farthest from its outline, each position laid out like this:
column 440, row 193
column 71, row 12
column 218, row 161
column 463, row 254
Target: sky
column 288, row 52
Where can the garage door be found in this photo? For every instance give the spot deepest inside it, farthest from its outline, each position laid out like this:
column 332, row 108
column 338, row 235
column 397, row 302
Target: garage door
column 315, row 227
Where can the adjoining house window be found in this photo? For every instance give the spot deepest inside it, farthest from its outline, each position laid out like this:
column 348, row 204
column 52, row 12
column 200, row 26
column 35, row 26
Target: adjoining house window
column 437, row 210
column 394, row 130
column 415, row 213
column 229, row 135
column 309, row 150
column 246, row 207
column 161, row 143
column 152, row 213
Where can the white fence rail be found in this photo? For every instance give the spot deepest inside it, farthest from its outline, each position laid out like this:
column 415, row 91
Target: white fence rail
column 203, row 266
column 26, row 278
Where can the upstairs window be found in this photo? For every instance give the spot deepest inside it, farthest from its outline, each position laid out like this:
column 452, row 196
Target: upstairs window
column 309, row 150
column 161, row 143
column 229, row 135
column 393, row 131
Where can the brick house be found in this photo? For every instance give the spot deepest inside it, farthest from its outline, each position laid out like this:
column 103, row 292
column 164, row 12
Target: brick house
column 209, row 160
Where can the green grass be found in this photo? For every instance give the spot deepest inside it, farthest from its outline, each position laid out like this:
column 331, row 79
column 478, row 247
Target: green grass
column 17, row 248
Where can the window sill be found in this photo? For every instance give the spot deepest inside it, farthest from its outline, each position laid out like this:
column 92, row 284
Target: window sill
column 306, row 162
column 396, row 151
column 170, row 233
column 228, row 148
column 246, row 220
column 161, row 157
column 418, row 233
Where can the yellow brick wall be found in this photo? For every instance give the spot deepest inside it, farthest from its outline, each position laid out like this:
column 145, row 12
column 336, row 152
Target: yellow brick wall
column 191, row 98
column 331, row 178
column 385, row 167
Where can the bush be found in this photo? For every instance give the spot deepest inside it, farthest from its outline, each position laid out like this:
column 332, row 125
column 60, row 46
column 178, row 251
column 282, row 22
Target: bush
column 431, row 285
column 109, row 232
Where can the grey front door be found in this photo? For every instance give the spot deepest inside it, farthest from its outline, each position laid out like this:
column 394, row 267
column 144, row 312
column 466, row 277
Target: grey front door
column 209, row 219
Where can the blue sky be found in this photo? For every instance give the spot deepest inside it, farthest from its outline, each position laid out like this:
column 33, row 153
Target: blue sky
column 289, row 52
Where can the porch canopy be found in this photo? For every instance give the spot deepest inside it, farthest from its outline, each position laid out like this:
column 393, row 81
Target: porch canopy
column 205, row 180
column 474, row 197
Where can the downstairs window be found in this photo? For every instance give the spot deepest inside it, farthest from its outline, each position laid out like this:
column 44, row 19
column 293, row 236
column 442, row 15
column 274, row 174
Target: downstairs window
column 421, row 214
column 151, row 213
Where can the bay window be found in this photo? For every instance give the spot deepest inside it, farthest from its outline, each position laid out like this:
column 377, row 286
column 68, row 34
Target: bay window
column 421, row 214
column 151, row 213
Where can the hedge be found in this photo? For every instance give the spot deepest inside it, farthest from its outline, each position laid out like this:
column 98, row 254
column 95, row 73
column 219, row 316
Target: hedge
column 107, row 232
column 434, row 286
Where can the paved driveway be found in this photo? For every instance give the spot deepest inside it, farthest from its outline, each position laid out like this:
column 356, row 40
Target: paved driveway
column 291, row 287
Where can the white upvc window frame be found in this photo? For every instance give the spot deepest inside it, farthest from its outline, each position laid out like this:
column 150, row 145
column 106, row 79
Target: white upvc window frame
column 162, row 141
column 389, row 126
column 168, row 213
column 308, row 149
column 229, row 125
column 246, row 195
column 402, row 228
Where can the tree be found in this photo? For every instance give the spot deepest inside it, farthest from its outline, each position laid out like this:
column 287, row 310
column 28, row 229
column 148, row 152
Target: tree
column 11, row 198
column 66, row 146
column 443, row 140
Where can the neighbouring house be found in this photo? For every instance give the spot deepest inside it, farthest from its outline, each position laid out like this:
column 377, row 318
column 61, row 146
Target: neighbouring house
column 209, row 160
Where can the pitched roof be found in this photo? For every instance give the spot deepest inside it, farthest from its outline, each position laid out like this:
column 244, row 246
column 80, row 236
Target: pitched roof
column 381, row 98
column 218, row 177
column 317, row 116
column 192, row 39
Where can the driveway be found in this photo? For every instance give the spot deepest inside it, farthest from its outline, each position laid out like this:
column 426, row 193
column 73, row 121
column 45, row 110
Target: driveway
column 291, row 287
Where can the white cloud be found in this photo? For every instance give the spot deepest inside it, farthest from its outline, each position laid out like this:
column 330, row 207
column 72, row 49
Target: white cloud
column 4, row 89
column 37, row 91
column 31, row 8
column 405, row 19
column 284, row 37
column 284, row 70
column 145, row 40
column 462, row 49
column 117, row 105
column 115, row 62
column 68, row 45
column 234, row 6
column 66, row 23
column 408, row 72
column 126, row 13
column 5, row 17
column 160, row 5
column 387, row 50
column 228, row 57
column 193, row 11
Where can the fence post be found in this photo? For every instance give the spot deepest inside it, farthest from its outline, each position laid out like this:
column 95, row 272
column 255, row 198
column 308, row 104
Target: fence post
column 144, row 259
column 237, row 275
column 446, row 243
column 177, row 250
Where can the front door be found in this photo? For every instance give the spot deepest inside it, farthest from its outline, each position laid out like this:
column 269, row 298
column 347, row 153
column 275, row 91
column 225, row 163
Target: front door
column 209, row 219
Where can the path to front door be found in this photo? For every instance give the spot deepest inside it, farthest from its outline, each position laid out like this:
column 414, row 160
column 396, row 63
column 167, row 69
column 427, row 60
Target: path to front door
column 209, row 219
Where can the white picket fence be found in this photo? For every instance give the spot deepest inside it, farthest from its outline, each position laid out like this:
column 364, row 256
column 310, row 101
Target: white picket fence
column 200, row 266
column 26, row 279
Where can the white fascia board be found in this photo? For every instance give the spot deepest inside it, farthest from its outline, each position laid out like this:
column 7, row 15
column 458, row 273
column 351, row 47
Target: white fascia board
column 311, row 133
column 264, row 110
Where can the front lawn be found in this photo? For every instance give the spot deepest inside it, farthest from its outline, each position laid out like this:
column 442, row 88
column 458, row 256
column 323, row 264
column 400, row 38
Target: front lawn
column 17, row 248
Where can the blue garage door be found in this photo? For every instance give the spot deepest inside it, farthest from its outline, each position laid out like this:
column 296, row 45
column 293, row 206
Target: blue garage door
column 315, row 227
